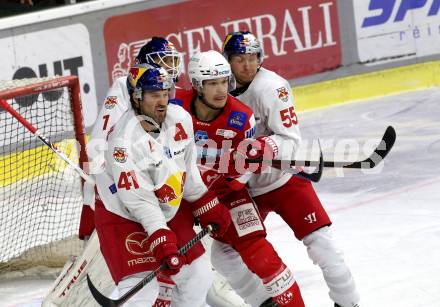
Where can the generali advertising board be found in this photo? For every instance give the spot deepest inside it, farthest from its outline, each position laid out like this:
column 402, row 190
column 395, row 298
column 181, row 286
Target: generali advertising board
column 389, row 30
column 300, row 37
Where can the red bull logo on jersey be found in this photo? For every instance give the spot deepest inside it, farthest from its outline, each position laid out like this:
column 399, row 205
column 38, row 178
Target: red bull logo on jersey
column 110, row 102
column 283, row 94
column 171, row 192
column 120, row 154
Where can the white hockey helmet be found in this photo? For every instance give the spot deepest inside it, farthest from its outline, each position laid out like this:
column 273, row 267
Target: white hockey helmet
column 209, row 65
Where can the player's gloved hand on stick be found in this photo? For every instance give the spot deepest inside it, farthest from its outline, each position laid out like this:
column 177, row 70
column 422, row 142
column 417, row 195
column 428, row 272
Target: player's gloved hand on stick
column 163, row 245
column 209, row 210
column 263, row 148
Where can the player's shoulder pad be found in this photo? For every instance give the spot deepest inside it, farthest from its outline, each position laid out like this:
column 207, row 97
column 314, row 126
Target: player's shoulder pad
column 270, row 84
column 269, row 79
column 118, row 95
column 176, row 113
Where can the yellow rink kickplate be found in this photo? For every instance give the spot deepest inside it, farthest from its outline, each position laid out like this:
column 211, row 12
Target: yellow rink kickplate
column 34, row 162
column 368, row 85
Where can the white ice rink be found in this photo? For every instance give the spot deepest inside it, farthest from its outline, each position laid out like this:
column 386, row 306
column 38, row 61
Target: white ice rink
column 387, row 221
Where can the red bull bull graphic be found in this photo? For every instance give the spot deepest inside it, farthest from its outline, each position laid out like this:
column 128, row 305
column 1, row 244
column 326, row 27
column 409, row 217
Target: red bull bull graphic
column 171, row 192
column 283, row 94
column 120, row 154
column 110, row 102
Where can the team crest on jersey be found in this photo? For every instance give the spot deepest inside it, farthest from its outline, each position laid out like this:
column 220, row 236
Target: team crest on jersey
column 283, row 94
column 171, row 192
column 237, row 120
column 120, row 154
column 227, row 134
column 110, row 102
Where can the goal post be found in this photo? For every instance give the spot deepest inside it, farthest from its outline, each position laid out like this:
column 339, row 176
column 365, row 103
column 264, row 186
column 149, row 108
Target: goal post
column 40, row 195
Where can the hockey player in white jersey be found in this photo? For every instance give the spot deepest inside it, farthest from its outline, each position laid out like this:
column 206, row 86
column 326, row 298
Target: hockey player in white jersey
column 161, row 51
column 149, row 167
column 270, row 97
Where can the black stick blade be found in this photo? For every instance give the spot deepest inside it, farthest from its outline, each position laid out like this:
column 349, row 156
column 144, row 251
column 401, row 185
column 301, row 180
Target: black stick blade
column 99, row 297
column 381, row 151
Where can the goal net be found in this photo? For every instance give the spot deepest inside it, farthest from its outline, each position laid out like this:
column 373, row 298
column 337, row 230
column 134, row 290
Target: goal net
column 40, row 195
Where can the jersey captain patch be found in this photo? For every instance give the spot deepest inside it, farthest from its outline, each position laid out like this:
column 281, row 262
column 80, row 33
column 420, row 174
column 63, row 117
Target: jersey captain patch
column 237, row 120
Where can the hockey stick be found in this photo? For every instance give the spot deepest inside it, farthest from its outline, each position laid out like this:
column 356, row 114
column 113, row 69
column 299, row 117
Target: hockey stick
column 315, row 176
column 379, row 153
column 45, row 140
column 108, row 302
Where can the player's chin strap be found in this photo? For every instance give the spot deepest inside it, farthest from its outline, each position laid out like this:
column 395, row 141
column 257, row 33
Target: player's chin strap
column 151, row 121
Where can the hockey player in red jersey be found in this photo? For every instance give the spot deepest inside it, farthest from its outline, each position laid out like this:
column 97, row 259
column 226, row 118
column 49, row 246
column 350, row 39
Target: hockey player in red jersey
column 293, row 198
column 149, row 168
column 220, row 123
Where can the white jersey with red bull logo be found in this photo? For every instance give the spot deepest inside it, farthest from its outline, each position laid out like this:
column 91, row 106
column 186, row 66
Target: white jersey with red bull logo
column 146, row 176
column 270, row 98
column 116, row 103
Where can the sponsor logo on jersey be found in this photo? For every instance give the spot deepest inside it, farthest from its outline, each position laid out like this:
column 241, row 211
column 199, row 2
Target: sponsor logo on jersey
column 136, row 243
column 167, row 152
column 283, row 94
column 249, row 133
column 245, row 219
column 227, row 134
column 141, row 260
column 237, row 120
column 171, row 192
column 110, row 102
column 120, row 154
column 180, row 151
column 200, row 135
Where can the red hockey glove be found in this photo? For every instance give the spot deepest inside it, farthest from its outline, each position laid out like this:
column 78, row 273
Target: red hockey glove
column 261, row 148
column 209, row 210
column 163, row 245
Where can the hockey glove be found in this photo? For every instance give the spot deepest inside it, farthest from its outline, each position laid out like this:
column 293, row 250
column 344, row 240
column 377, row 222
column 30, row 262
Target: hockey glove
column 209, row 210
column 262, row 148
column 163, row 245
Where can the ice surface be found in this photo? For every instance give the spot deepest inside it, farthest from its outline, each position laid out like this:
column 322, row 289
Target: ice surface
column 387, row 221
